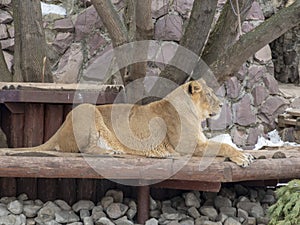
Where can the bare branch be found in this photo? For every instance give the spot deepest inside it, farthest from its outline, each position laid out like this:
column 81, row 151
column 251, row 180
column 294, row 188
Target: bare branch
column 232, row 59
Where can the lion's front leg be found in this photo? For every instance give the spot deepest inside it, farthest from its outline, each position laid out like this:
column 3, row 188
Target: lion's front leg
column 212, row 148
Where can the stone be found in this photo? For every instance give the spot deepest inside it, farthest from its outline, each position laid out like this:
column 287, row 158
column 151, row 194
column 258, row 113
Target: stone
column 84, row 213
column 221, row 217
column 178, row 201
column 224, row 120
column 247, row 26
column 272, row 105
column 263, row 55
column 155, row 213
column 242, row 214
column 6, row 200
column 296, row 103
column 8, row 44
column 95, row 43
column 233, row 87
column 106, row 201
column 152, row 221
column 244, row 115
column 123, row 221
column 63, row 205
column 191, row 200
column 221, row 201
column 86, row 22
column 259, row 94
column 15, row 207
column 184, row 7
column 168, row 28
column 131, row 212
column 51, row 222
column 69, row 65
column 253, row 135
column 98, row 213
column 193, row 212
column 116, row 210
column 159, row 8
column 5, row 3
column 187, row 222
column 23, row 197
column 231, row 221
column 257, row 211
column 47, row 212
column 3, row 211
column 255, row 75
column 247, row 206
column 116, row 195
column 255, row 12
column 63, row 25
column 241, row 190
column 63, row 41
column 251, row 221
column 153, row 204
column 11, row 31
column 3, row 31
column 31, row 210
column 228, row 211
column 104, row 221
column 88, row 221
column 5, row 17
column 66, row 217
column 75, row 223
column 83, row 204
column 170, row 213
column 271, row 84
column 209, row 211
column 228, row 193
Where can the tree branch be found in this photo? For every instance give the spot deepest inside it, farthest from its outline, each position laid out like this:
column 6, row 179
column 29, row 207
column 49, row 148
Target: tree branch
column 111, row 20
column 232, row 59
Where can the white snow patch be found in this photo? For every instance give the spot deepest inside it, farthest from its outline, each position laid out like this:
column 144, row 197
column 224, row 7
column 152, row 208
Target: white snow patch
column 226, row 139
column 52, row 9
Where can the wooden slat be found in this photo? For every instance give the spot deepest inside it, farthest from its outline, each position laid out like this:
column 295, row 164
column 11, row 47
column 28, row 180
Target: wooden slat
column 8, row 187
column 86, row 189
column 53, row 119
column 293, row 112
column 46, row 189
column 66, row 190
column 189, row 185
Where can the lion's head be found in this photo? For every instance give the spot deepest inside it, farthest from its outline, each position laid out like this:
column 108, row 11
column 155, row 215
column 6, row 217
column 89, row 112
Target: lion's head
column 206, row 103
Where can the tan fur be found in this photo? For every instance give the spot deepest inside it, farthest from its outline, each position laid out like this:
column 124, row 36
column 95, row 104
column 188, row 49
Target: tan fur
column 178, row 129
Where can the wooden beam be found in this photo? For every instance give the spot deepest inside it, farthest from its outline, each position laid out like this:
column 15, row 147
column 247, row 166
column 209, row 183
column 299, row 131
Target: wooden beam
column 189, row 185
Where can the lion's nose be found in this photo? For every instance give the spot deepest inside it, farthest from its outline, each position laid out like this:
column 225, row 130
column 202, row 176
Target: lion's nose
column 221, row 104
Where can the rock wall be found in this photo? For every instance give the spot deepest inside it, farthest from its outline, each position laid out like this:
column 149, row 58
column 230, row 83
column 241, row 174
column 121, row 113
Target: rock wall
column 252, row 99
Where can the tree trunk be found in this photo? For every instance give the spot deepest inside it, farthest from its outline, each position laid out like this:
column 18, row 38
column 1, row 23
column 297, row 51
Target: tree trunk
column 230, row 60
column 30, row 44
column 5, row 74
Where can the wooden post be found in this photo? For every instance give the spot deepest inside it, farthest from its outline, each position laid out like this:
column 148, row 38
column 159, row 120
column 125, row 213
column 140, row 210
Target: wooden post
column 143, row 204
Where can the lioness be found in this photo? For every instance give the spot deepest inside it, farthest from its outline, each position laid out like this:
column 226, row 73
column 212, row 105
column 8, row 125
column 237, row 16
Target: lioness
column 170, row 126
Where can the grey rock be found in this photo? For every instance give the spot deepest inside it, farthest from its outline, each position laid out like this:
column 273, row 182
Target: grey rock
column 268, row 199
column 170, row 213
column 177, row 201
column 47, row 212
column 153, row 204
column 247, row 206
column 20, row 220
column 242, row 214
column 253, row 194
column 15, row 207
column 259, row 94
column 221, row 201
column 231, row 221
column 66, row 217
column 247, row 26
column 152, row 221
column 243, row 112
column 116, row 210
column 123, row 221
column 104, row 221
column 255, row 12
column 184, row 7
column 9, row 219
column 116, row 195
column 83, row 204
column 187, row 222
column 155, row 213
column 106, row 201
column 193, row 212
column 38, row 202
column 6, row 200
column 159, row 8
column 191, row 200
column 5, row 3
column 131, row 212
column 8, row 44
column 96, row 42
column 209, row 211
column 241, row 190
column 239, row 136
column 257, row 211
column 221, row 217
column 63, row 41
column 229, row 211
column 271, row 84
column 5, row 17
column 272, row 104
column 31, row 210
column 3, row 211
column 263, row 55
column 63, row 25
column 207, row 222
column 3, row 32
column 98, row 213
column 75, row 223
column 23, row 197
column 84, row 213
column 51, row 222
column 62, row 204
column 251, row 221
column 168, row 28
column 86, row 22
column 88, row 221
column 253, row 135
column 233, row 87
column 30, row 221
column 69, row 65
column 228, row 193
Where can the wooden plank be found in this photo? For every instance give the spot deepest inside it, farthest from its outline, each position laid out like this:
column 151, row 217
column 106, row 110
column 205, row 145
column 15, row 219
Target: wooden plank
column 86, row 189
column 293, row 112
column 130, row 168
column 34, row 125
column 66, row 190
column 46, row 189
column 27, row 186
column 8, row 187
column 53, row 119
column 189, row 185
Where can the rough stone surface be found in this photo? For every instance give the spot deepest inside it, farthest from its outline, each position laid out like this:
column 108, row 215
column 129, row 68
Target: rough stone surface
column 231, row 221
column 152, row 221
column 221, row 201
column 259, row 94
column 253, row 135
column 104, row 221
column 63, row 41
column 66, row 217
column 255, row 12
column 168, row 27
column 5, row 17
column 83, row 204
column 3, row 32
column 106, row 201
column 272, row 104
column 95, row 42
column 271, row 84
column 243, row 112
column 159, row 8
column 191, row 200
column 8, row 44
column 233, row 87
column 263, row 55
column 116, row 195
column 209, row 211
column 224, row 120
column 64, row 25
column 228, row 211
column 116, row 210
column 239, row 136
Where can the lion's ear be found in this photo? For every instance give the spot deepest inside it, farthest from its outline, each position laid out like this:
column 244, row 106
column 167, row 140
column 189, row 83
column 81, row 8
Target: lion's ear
column 194, row 87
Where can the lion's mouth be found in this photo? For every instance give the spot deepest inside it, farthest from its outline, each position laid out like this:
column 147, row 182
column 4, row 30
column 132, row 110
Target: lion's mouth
column 214, row 116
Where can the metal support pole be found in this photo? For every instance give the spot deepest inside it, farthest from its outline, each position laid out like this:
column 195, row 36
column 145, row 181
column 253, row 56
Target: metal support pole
column 143, row 199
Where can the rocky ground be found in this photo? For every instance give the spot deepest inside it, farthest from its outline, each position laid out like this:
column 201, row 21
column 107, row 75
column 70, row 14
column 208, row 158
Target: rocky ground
column 231, row 206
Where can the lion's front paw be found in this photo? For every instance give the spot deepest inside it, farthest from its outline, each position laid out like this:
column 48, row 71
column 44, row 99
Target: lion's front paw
column 243, row 159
